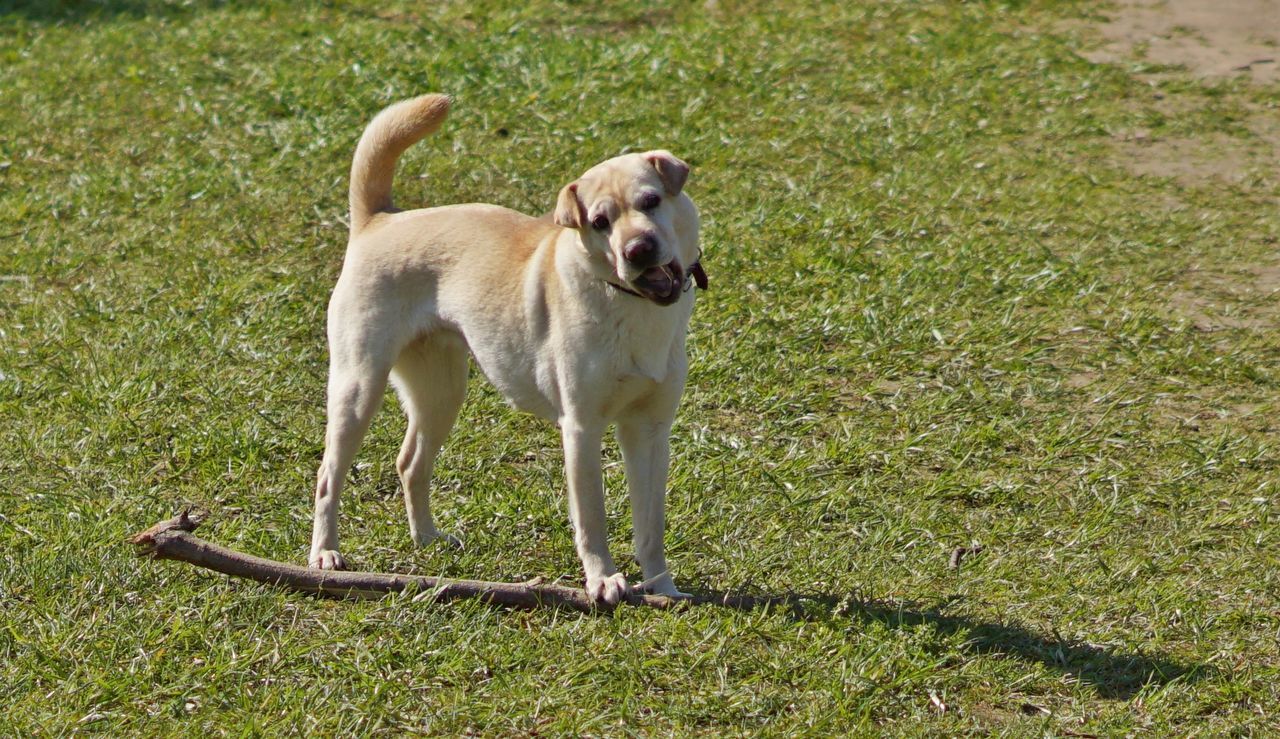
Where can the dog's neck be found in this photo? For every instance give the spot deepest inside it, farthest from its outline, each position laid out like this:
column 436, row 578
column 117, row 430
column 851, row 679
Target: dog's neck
column 623, row 288
column 580, row 269
column 642, row 335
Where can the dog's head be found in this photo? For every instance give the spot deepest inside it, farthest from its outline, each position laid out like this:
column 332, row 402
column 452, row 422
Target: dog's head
column 632, row 213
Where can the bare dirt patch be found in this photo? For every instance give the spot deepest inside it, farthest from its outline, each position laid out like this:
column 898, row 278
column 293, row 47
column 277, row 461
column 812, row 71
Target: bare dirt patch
column 1221, row 298
column 1191, row 161
column 1082, row 379
column 1250, row 158
column 1210, row 41
column 1211, row 38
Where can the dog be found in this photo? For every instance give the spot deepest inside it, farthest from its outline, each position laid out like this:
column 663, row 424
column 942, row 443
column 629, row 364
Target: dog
column 578, row 317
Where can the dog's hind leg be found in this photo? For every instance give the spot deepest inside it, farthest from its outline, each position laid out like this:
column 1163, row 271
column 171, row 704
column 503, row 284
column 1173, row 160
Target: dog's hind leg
column 430, row 377
column 352, row 402
column 357, row 381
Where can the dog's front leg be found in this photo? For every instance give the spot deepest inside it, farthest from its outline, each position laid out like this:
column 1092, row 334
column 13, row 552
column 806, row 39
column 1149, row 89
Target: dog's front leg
column 586, row 511
column 646, row 453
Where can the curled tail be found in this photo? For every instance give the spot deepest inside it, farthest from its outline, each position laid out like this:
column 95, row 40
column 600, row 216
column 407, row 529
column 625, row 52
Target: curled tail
column 387, row 136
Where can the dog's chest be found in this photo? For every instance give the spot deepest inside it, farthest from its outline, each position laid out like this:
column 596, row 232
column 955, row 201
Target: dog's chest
column 641, row 348
column 604, row 365
column 635, row 358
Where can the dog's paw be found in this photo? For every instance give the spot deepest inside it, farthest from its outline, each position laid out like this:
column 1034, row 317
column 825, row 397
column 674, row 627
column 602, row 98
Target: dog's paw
column 609, row 589
column 664, row 586
column 327, row 559
column 448, row 540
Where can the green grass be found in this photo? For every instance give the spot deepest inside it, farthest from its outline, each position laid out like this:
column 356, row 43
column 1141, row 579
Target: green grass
column 940, row 314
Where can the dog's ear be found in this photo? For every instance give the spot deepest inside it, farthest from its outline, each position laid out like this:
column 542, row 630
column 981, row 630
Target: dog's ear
column 569, row 211
column 672, row 170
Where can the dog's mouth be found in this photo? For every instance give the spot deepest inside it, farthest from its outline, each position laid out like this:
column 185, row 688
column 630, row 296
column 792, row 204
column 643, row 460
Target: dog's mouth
column 662, row 284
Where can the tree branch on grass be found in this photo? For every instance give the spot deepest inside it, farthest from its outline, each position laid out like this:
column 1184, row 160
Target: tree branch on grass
column 172, row 539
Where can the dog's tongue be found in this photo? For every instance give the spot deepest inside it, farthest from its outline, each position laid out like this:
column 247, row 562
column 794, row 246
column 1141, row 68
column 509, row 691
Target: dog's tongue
column 660, row 280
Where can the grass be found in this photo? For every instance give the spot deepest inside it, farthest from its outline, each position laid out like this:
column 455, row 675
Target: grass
column 941, row 313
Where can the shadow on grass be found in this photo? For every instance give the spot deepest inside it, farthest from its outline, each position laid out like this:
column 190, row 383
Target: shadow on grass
column 88, row 11
column 1112, row 674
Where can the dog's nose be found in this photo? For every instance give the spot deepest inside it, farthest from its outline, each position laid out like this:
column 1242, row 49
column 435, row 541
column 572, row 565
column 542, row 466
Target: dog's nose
column 642, row 251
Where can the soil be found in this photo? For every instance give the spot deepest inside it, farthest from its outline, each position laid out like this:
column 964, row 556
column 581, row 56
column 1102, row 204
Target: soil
column 1230, row 298
column 1212, row 41
column 1210, row 38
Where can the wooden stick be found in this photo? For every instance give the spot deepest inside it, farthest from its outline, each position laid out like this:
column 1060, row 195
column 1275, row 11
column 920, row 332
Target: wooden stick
column 172, row 539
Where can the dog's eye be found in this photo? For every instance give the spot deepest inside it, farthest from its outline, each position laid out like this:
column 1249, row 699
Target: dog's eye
column 649, row 201
column 600, row 222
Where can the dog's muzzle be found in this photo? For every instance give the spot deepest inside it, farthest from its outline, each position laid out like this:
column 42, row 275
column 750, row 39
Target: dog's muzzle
column 665, row 283
column 662, row 284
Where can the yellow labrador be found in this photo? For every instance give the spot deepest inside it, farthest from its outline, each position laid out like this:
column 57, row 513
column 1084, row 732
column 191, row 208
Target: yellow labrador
column 579, row 317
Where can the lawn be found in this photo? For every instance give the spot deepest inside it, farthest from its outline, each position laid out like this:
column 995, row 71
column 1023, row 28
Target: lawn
column 944, row 311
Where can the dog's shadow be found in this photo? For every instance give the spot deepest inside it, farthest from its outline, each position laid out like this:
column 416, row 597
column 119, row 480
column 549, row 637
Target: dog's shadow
column 1113, row 674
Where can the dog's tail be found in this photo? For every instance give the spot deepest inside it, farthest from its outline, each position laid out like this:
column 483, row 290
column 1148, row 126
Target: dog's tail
column 388, row 135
